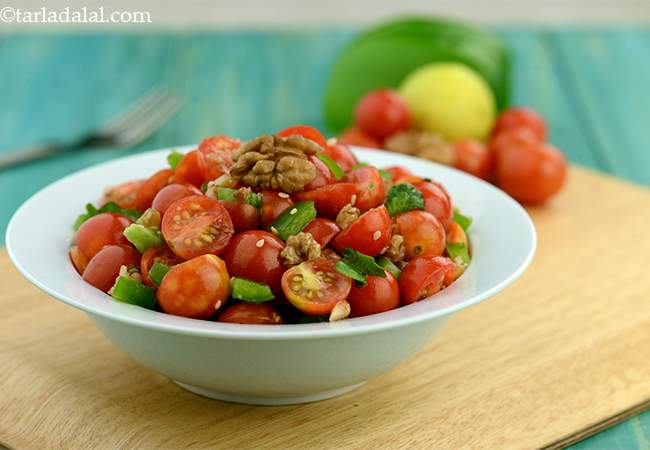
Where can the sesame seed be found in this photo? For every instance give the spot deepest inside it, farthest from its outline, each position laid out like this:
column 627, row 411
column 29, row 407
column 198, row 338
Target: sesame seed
column 293, row 211
column 353, row 199
column 376, row 235
column 260, row 243
column 283, row 195
column 217, row 305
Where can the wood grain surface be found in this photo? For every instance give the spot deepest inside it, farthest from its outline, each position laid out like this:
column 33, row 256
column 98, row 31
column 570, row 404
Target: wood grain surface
column 556, row 355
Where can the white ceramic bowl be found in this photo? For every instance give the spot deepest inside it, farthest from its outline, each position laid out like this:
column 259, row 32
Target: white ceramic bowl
column 267, row 364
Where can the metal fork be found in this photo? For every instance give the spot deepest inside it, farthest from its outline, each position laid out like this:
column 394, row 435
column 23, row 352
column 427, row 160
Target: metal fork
column 128, row 128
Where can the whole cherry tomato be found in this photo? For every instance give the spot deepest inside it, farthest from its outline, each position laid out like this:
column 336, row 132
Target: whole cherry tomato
column 520, row 118
column 370, row 187
column 529, row 171
column 251, row 313
column 197, row 288
column 151, row 187
column 196, row 225
column 382, row 113
column 437, row 202
column 423, row 234
column 123, row 195
column 104, row 267
column 456, row 235
column 329, row 199
column 169, row 194
column 472, row 156
column 322, row 230
column 369, row 234
column 377, row 295
column 100, row 230
column 398, row 172
column 244, row 216
column 215, row 155
column 314, row 286
column 342, row 155
column 153, row 255
column 356, row 136
column 424, row 276
column 79, row 260
column 255, row 255
column 188, row 170
column 304, row 131
column 323, row 174
column 273, row 204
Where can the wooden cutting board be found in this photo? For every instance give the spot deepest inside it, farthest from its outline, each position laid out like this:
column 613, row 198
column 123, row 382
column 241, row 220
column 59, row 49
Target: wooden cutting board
column 561, row 354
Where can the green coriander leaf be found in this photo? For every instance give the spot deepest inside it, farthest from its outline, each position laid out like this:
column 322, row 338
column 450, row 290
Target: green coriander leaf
column 362, row 264
column 349, row 272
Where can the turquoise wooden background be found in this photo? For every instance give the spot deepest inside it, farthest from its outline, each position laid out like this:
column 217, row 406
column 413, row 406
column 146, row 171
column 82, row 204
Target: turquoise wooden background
column 591, row 85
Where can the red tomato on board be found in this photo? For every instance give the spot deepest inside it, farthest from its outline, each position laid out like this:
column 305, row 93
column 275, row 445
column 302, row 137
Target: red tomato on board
column 377, row 295
column 520, row 118
column 382, row 113
column 472, row 156
column 153, row 255
column 197, row 288
column 188, row 170
column 371, row 191
column 169, row 194
column 100, row 230
column 196, row 225
column 251, row 313
column 424, row 276
column 305, row 131
column 369, row 234
column 104, row 267
column 423, row 234
column 322, row 230
column 356, row 136
column 329, row 199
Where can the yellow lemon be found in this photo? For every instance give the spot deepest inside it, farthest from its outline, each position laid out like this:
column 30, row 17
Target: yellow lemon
column 450, row 99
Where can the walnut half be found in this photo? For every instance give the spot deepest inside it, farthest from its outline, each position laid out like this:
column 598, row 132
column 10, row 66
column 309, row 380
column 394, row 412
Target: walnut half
column 274, row 162
column 300, row 247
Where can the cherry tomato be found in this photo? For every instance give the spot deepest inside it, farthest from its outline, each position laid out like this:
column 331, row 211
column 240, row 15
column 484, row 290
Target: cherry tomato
column 196, row 225
column 472, row 156
column 322, row 230
column 153, row 255
column 529, row 171
column 188, row 170
column 215, row 155
column 342, row 155
column 397, row 172
column 356, row 136
column 424, row 276
column 314, row 286
column 423, row 234
column 255, row 255
column 79, row 260
column 251, row 313
column 100, row 230
column 304, row 131
column 369, row 234
column 370, row 187
column 323, row 174
column 123, row 195
column 273, row 204
column 169, row 194
column 197, row 288
column 382, row 113
column 244, row 216
column 377, row 295
column 329, row 199
column 520, row 118
column 456, row 235
column 437, row 202
column 151, row 187
column 104, row 267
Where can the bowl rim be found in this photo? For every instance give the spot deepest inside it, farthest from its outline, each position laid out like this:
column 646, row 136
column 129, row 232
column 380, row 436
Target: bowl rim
column 427, row 310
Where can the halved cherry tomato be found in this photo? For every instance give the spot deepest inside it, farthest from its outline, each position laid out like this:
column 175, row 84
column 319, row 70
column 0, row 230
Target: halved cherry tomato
column 423, row 234
column 251, row 313
column 381, row 113
column 153, row 255
column 196, row 225
column 104, row 267
column 244, row 216
column 169, row 194
column 123, row 195
column 377, row 295
column 520, row 118
column 437, row 202
column 323, row 174
column 397, row 172
column 197, row 288
column 273, row 204
column 424, row 276
column 188, row 170
column 79, row 260
column 472, row 156
column 255, row 255
column 369, row 234
column 151, row 187
column 356, row 136
column 100, row 230
column 322, row 230
column 370, row 187
column 342, row 155
column 304, row 131
column 329, row 199
column 215, row 155
column 314, row 286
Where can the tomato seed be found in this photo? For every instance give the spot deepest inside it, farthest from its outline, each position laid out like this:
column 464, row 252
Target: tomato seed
column 185, row 215
column 283, row 195
column 207, row 238
column 177, row 218
column 376, row 235
column 187, row 241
